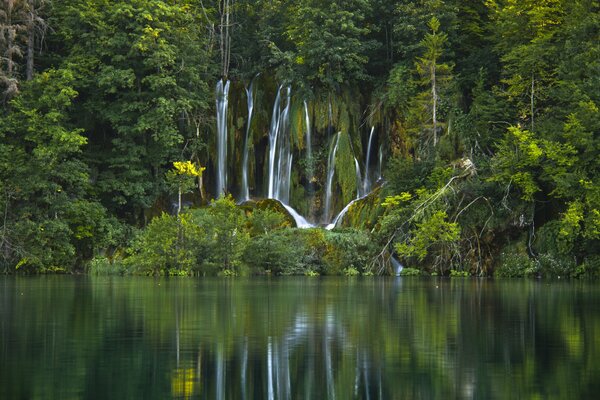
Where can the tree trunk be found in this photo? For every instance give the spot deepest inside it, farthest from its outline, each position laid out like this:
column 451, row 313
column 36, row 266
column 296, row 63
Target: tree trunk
column 179, row 201
column 30, row 39
column 434, row 95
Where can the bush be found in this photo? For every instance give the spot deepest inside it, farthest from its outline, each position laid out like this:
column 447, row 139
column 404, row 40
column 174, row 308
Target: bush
column 351, row 272
column 590, row 268
column 347, row 249
column 103, row 266
column 410, row 272
column 280, row 252
column 515, row 265
column 552, row 266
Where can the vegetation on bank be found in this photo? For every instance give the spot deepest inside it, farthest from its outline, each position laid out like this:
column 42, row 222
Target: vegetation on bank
column 489, row 113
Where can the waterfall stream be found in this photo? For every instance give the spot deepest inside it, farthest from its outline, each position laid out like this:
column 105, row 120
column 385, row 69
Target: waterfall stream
column 280, row 152
column 359, row 180
column 330, row 173
column 309, row 157
column 367, row 180
column 222, row 98
column 250, row 101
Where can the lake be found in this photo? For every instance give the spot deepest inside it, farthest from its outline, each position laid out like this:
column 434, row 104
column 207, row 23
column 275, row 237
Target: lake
column 297, row 338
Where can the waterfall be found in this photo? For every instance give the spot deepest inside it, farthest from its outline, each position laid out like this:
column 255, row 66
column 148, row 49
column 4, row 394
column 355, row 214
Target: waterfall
column 367, row 181
column 280, row 150
column 396, row 265
column 250, row 100
column 301, row 222
column 309, row 158
column 359, row 181
column 222, row 94
column 339, row 217
column 330, row 172
column 273, row 132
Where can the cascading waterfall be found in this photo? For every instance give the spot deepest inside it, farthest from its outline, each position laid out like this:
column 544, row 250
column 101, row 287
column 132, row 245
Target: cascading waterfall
column 339, row 217
column 396, row 266
column 367, row 180
column 250, row 101
column 281, row 157
column 330, row 173
column 309, row 158
column 363, row 186
column 280, row 154
column 359, row 180
column 222, row 98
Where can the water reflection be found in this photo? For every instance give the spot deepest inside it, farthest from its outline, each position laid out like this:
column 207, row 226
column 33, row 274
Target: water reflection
column 99, row 338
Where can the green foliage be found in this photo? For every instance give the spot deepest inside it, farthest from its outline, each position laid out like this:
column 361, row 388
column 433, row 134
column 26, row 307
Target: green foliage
column 351, row 272
column 104, row 266
column 458, row 274
column 263, row 221
column 515, row 265
column 328, row 41
column 91, row 142
column 168, row 244
column 434, row 230
column 348, row 249
column 411, row 272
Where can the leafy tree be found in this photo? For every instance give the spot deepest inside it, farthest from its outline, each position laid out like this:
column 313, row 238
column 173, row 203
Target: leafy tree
column 433, row 73
column 135, row 64
column 182, row 178
column 328, row 38
column 48, row 216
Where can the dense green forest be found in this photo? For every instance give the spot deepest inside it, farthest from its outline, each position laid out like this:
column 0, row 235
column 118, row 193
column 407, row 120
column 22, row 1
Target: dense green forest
column 483, row 116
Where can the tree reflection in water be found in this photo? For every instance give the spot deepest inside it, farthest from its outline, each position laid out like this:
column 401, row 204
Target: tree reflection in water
column 297, row 338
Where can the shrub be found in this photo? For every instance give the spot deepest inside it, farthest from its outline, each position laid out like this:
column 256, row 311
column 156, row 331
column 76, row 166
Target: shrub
column 103, row 266
column 410, row 272
column 552, row 266
column 347, row 249
column 514, row 265
column 458, row 274
column 590, row 268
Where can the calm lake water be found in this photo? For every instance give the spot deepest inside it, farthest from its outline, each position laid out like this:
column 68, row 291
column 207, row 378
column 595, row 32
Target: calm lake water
column 297, row 338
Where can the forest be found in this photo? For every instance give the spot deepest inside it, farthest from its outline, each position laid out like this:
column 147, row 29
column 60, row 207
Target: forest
column 312, row 137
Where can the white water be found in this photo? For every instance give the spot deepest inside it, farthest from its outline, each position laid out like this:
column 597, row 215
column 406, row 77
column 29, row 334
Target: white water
column 301, row 222
column 359, row 182
column 397, row 266
column 273, row 133
column 222, row 94
column 330, row 173
column 250, row 100
column 367, row 180
column 309, row 158
column 339, row 217
column 280, row 154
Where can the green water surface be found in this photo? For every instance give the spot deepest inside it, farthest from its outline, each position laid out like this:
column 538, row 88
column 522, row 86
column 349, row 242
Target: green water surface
column 298, row 338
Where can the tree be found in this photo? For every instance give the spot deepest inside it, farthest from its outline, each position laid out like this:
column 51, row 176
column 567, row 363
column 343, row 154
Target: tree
column 329, row 42
column 49, row 215
column 182, row 178
column 433, row 73
column 141, row 92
